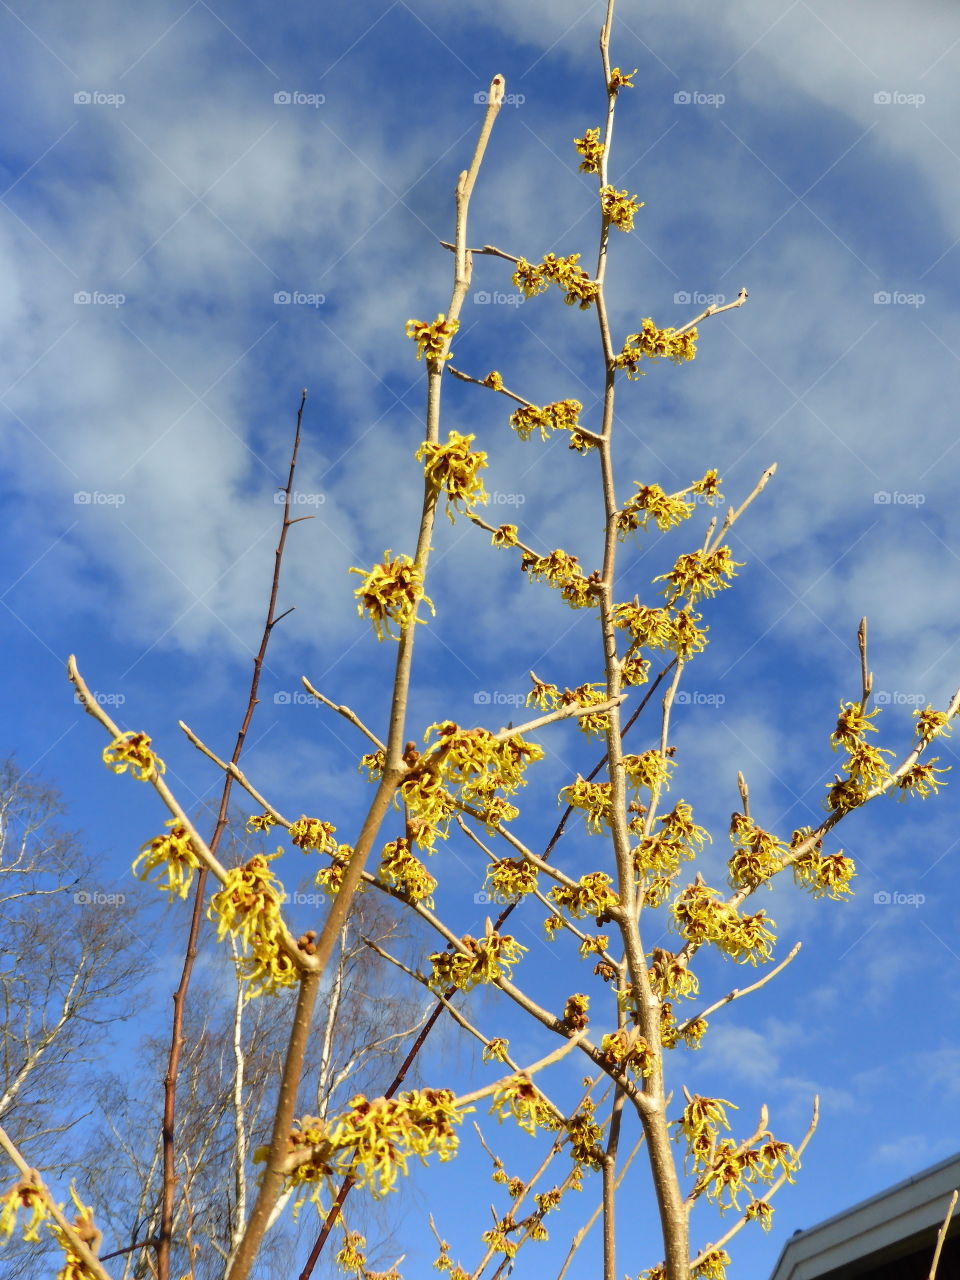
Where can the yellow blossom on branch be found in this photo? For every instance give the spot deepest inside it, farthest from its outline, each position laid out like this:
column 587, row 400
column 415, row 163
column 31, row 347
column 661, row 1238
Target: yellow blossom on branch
column 173, row 856
column 618, row 208
column 504, row 536
column 487, row 959
column 591, row 148
column 248, row 907
column 620, row 79
column 654, row 343
column 700, row 573
column 390, row 594
column 520, row 1097
column 310, row 833
column 132, row 751
column 561, row 415
column 452, row 469
column 433, row 339
column 651, row 503
column 591, row 896
column 406, row 873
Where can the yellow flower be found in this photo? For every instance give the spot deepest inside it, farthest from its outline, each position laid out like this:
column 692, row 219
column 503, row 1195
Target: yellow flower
column 248, row 907
column 433, row 339
column 700, row 573
column 132, row 751
column 173, row 856
column 591, row 148
column 561, row 415
column 619, row 208
column 655, row 343
column 390, row 594
column 505, row 536
column 620, row 79
column 488, row 960
column 453, row 468
column 310, row 833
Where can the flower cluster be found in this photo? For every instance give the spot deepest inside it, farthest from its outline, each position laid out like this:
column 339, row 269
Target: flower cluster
column 931, row 723
column 825, row 875
column 504, row 536
column 561, row 415
column 496, row 1050
column 330, row 878
column 534, row 278
column 619, row 208
column 585, row 1136
column 310, row 833
column 670, row 976
column 548, row 697
column 172, row 856
column 661, row 629
column 563, row 571
column 591, row 148
column 865, row 766
column 374, row 1140
column 519, row 1097
column 390, row 594
column 700, row 573
column 701, row 917
column 404, row 872
column 453, row 468
column 655, row 344
column 591, row 896
column 626, row 1051
column 511, row 877
column 650, row 769
column 593, row 798
column 132, row 751
column 650, row 502
column 575, row 1016
column 248, row 907
column 261, row 822
column 620, row 79
column 487, row 959
column 27, row 1196
column 431, row 339
column 757, row 856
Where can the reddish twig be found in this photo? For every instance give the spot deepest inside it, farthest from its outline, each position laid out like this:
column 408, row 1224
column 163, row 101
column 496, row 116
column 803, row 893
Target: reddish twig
column 165, row 1237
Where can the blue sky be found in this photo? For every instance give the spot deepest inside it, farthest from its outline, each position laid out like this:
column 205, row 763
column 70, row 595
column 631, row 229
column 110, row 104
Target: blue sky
column 804, row 152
